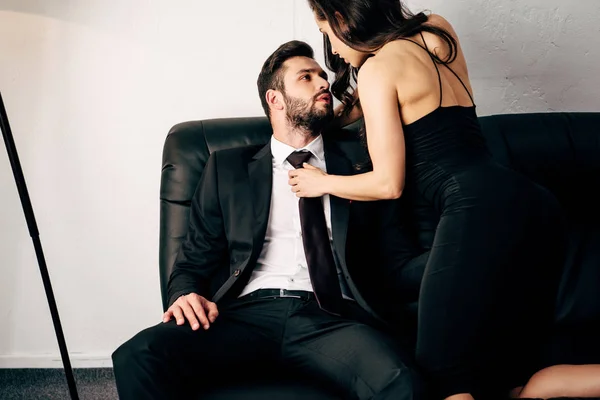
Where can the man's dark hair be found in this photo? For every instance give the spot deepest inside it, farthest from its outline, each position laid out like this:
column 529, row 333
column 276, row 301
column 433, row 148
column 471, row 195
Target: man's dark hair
column 271, row 74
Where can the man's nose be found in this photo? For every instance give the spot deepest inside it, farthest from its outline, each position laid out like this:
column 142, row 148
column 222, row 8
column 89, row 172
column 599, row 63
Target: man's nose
column 323, row 84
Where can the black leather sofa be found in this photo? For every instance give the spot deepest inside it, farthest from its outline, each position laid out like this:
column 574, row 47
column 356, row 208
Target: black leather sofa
column 558, row 150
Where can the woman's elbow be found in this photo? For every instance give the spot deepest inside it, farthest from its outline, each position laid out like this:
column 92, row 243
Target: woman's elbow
column 392, row 192
column 387, row 187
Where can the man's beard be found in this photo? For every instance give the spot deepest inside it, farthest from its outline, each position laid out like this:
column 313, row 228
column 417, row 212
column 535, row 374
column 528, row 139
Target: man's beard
column 306, row 115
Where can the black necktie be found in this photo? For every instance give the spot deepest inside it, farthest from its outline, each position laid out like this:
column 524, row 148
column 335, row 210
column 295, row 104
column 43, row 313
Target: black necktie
column 321, row 266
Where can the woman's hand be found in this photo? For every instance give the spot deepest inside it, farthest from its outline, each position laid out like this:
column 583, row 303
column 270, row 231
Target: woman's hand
column 308, row 181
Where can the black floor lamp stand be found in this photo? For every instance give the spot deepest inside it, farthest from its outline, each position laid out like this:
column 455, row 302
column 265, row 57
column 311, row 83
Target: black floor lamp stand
column 35, row 236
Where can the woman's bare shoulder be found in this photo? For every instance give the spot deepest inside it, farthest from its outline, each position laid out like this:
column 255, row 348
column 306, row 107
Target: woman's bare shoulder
column 376, row 68
column 441, row 22
column 437, row 43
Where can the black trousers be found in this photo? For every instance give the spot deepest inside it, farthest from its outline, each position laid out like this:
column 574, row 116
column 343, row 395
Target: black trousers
column 346, row 353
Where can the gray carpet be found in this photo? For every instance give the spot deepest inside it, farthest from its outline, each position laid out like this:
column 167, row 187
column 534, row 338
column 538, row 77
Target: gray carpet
column 51, row 384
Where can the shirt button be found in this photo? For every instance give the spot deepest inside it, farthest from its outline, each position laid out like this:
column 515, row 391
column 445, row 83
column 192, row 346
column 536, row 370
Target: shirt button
column 291, row 279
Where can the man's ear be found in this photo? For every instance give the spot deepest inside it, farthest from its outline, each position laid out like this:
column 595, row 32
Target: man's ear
column 275, row 99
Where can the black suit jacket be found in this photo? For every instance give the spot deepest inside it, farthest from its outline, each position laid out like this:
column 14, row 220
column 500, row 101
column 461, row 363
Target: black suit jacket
column 228, row 221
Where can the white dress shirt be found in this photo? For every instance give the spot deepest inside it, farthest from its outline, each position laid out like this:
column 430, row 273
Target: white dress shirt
column 282, row 261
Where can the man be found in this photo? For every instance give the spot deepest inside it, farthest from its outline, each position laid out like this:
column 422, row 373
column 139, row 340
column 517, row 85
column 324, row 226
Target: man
column 263, row 278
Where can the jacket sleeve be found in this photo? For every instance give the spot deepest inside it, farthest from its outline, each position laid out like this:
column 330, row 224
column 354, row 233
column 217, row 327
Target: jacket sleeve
column 205, row 245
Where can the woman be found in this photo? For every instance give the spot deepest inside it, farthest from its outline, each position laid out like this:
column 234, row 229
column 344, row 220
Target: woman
column 488, row 289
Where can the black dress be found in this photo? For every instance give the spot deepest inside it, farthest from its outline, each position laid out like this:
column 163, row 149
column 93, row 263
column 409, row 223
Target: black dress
column 488, row 288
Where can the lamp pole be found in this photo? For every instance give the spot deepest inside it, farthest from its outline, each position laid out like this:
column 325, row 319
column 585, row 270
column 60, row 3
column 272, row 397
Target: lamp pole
column 35, row 236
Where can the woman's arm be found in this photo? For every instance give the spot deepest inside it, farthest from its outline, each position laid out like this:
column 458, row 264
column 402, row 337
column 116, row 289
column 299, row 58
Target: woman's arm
column 385, row 139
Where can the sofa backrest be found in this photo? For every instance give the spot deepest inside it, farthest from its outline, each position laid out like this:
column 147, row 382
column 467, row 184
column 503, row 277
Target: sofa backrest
column 561, row 151
column 185, row 152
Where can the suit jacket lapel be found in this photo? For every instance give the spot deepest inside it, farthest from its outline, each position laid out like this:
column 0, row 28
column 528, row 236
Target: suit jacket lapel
column 260, row 173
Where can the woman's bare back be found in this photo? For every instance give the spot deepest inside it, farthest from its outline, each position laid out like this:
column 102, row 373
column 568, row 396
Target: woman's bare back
column 418, row 84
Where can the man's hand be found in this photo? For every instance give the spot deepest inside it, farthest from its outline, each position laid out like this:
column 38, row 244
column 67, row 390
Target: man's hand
column 195, row 308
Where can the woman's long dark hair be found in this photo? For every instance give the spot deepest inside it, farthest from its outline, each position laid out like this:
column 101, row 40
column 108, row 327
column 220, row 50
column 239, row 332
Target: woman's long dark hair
column 367, row 25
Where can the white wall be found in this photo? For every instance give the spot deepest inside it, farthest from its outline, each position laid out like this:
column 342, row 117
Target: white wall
column 92, row 87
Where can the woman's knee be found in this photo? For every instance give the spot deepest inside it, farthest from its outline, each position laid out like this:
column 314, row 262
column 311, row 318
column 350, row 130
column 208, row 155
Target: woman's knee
column 548, row 382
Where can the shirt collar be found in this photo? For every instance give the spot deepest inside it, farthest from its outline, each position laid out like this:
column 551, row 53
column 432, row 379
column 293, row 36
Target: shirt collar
column 281, row 151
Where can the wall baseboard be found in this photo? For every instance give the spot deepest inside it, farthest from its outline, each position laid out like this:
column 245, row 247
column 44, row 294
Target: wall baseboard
column 54, row 361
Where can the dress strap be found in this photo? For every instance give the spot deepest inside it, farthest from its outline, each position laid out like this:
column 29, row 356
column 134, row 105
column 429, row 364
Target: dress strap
column 436, row 60
column 462, row 83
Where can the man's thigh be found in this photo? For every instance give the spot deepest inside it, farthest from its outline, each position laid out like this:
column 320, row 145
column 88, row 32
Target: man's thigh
column 244, row 331
column 357, row 358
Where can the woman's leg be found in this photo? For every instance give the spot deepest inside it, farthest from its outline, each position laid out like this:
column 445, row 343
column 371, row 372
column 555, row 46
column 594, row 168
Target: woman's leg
column 486, row 298
column 564, row 381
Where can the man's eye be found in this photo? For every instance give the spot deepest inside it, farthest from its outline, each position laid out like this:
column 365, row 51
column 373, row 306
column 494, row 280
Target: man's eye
column 305, row 77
